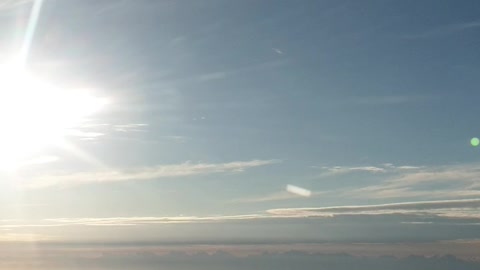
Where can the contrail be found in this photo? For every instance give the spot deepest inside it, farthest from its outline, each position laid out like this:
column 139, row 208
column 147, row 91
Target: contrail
column 32, row 25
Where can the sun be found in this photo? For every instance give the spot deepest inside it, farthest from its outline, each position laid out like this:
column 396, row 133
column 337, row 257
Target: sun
column 35, row 113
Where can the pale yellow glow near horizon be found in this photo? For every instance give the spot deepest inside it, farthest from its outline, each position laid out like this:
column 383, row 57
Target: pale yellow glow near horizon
column 35, row 114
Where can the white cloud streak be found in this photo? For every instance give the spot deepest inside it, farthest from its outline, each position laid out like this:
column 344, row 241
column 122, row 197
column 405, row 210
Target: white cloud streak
column 446, row 208
column 278, row 51
column 384, row 168
column 135, row 127
column 146, row 173
column 130, row 221
column 85, row 135
column 342, row 170
column 451, row 209
column 458, row 210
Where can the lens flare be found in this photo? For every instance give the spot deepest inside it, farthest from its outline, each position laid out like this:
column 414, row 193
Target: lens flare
column 298, row 191
column 475, row 141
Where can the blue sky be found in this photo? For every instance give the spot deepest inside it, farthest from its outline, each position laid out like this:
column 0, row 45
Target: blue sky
column 217, row 106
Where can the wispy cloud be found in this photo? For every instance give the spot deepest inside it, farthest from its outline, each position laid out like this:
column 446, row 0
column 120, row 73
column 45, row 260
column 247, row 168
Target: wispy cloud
column 94, row 131
column 276, row 196
column 384, row 100
column 177, row 138
column 409, row 182
column 457, row 210
column 128, row 221
column 221, row 74
column 133, row 127
column 290, row 192
column 445, row 30
column 383, row 168
column 443, row 182
column 277, row 50
column 406, row 181
column 146, row 173
column 446, row 208
column 131, row 221
column 381, row 100
column 214, row 76
column 178, row 40
column 341, row 170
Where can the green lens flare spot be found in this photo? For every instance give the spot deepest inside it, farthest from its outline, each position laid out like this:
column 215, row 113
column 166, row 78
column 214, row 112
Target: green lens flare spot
column 475, row 141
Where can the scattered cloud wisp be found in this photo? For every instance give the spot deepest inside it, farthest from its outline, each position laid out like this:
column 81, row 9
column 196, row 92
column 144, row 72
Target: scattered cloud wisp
column 146, row 173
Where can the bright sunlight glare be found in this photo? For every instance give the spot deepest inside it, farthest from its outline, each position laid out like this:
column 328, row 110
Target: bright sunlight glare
column 35, row 114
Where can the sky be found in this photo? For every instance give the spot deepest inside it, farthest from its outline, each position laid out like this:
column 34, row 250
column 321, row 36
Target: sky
column 239, row 122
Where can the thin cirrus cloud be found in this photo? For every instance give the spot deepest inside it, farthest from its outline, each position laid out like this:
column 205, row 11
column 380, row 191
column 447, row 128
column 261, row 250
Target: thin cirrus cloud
column 281, row 196
column 92, row 132
column 441, row 208
column 126, row 127
column 341, row 170
column 275, row 196
column 145, row 173
column 408, row 182
column 457, row 210
column 278, row 51
column 135, row 127
column 384, row 168
column 131, row 221
column 385, row 100
column 451, row 181
column 445, row 30
column 217, row 75
column 214, row 76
